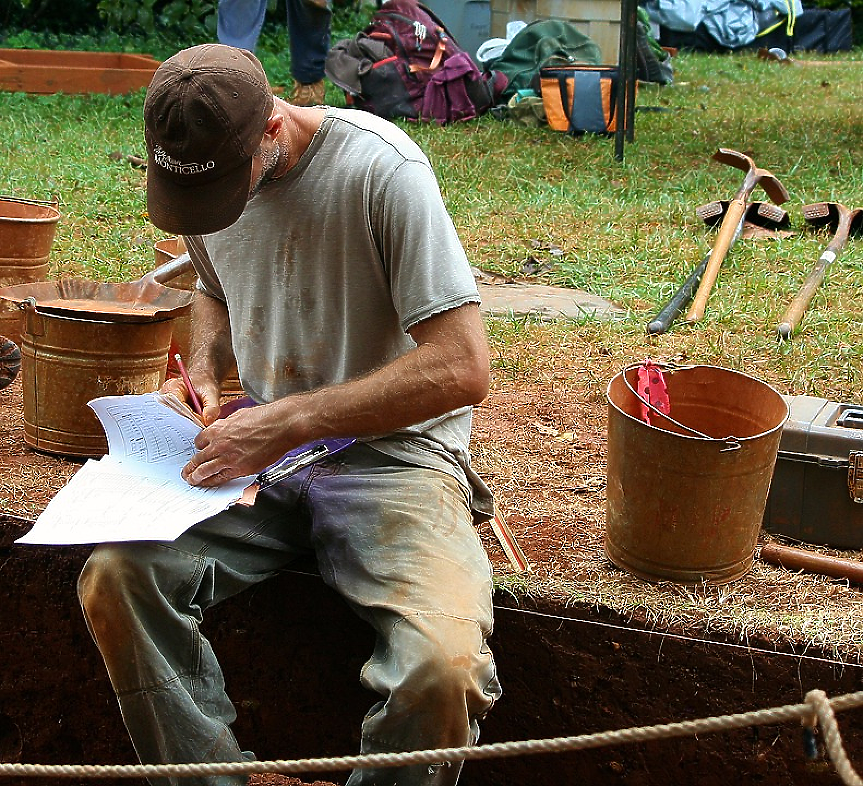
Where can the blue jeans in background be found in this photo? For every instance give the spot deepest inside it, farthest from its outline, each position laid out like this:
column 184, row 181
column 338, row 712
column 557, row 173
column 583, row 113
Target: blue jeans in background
column 240, row 22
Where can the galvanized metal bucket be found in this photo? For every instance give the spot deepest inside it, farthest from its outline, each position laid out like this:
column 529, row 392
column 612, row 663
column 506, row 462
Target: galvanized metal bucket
column 27, row 229
column 84, row 339
column 66, row 362
column 686, row 493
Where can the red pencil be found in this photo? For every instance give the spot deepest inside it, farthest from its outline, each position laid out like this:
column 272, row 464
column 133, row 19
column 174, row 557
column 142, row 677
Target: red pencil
column 196, row 402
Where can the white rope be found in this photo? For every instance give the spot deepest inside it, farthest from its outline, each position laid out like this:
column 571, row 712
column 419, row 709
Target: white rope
column 817, row 699
column 817, row 706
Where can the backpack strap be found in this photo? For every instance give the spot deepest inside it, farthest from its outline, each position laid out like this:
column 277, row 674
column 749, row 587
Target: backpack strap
column 420, row 31
column 439, row 52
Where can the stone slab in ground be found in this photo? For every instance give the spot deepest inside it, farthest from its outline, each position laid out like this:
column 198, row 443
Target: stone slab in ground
column 544, row 302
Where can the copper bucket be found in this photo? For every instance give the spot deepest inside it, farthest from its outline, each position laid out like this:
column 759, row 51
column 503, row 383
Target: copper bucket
column 27, row 229
column 686, row 493
column 166, row 250
column 66, row 362
column 83, row 339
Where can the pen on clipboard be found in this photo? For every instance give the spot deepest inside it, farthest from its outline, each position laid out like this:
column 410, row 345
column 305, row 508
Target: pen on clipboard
column 196, row 402
column 291, row 465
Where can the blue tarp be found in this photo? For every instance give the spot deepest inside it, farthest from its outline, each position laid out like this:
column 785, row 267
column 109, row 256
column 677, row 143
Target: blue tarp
column 733, row 23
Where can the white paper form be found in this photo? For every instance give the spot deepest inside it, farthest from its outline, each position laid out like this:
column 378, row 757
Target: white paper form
column 136, row 491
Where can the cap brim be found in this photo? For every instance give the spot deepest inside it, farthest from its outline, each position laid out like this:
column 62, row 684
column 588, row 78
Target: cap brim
column 199, row 209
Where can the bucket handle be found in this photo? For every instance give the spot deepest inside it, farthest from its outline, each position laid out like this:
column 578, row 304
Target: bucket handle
column 170, row 270
column 731, row 443
column 32, row 318
column 55, row 203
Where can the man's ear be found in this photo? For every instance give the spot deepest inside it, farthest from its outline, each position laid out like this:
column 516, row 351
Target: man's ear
column 274, row 125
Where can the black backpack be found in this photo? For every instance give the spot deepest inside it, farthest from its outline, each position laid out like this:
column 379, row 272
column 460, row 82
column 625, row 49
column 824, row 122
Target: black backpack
column 407, row 64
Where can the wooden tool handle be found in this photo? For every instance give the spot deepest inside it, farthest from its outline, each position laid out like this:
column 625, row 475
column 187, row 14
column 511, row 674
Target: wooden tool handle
column 727, row 232
column 814, row 562
column 172, row 269
column 801, row 301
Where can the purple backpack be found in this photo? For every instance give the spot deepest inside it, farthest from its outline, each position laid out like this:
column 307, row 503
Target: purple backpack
column 407, row 64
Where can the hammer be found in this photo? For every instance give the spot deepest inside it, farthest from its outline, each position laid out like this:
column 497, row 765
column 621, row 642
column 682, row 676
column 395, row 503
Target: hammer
column 844, row 221
column 759, row 213
column 736, row 209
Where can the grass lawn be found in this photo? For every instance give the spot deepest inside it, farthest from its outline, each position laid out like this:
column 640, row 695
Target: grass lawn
column 527, row 200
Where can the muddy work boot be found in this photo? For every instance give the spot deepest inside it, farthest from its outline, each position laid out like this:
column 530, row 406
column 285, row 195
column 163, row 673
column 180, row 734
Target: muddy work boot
column 308, row 95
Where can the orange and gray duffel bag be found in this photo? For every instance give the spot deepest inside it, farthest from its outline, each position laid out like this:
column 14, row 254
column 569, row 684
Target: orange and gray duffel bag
column 580, row 98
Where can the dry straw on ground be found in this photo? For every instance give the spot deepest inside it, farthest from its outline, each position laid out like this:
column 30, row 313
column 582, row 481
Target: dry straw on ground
column 539, row 441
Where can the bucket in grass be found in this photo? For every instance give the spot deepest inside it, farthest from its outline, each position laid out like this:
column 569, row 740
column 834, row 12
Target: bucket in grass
column 27, row 228
column 690, row 461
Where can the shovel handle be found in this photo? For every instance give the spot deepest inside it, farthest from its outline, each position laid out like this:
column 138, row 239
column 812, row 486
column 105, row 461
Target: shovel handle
column 680, row 300
column 797, row 307
column 727, row 232
column 170, row 270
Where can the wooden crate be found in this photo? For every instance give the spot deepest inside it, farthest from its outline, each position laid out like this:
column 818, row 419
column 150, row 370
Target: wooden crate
column 599, row 19
column 46, row 71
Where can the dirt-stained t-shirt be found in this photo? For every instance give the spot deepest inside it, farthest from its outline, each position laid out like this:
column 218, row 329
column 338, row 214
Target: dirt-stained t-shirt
column 330, row 265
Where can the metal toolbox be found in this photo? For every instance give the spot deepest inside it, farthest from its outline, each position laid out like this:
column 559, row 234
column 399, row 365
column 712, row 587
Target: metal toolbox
column 816, row 494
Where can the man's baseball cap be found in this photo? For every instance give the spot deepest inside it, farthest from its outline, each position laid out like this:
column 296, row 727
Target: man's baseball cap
column 204, row 117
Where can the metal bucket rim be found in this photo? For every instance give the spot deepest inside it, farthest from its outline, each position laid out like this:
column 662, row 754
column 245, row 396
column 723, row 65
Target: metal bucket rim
column 704, row 439
column 20, row 220
column 168, row 302
column 51, row 315
column 53, row 218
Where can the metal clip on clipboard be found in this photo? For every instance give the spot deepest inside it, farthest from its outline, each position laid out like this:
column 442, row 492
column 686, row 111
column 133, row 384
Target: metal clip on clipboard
column 298, row 459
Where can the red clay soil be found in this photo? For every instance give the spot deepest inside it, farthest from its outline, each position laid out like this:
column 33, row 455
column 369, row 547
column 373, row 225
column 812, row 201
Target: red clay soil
column 539, row 440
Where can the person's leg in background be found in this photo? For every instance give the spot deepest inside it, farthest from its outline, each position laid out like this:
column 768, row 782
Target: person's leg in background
column 309, row 33
column 239, row 22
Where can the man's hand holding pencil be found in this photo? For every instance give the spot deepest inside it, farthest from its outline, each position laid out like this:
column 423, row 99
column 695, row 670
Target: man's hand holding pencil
column 200, row 397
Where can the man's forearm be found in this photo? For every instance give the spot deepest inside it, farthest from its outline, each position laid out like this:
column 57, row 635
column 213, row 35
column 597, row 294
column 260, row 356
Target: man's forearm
column 447, row 370
column 211, row 350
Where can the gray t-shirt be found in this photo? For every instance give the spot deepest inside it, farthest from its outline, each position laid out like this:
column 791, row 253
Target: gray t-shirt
column 331, row 264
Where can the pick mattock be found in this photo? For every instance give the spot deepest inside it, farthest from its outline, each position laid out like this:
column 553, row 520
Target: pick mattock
column 730, row 221
column 845, row 222
column 761, row 214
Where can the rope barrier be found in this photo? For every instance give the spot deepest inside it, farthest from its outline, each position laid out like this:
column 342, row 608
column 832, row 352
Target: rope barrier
column 832, row 738
column 817, row 709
